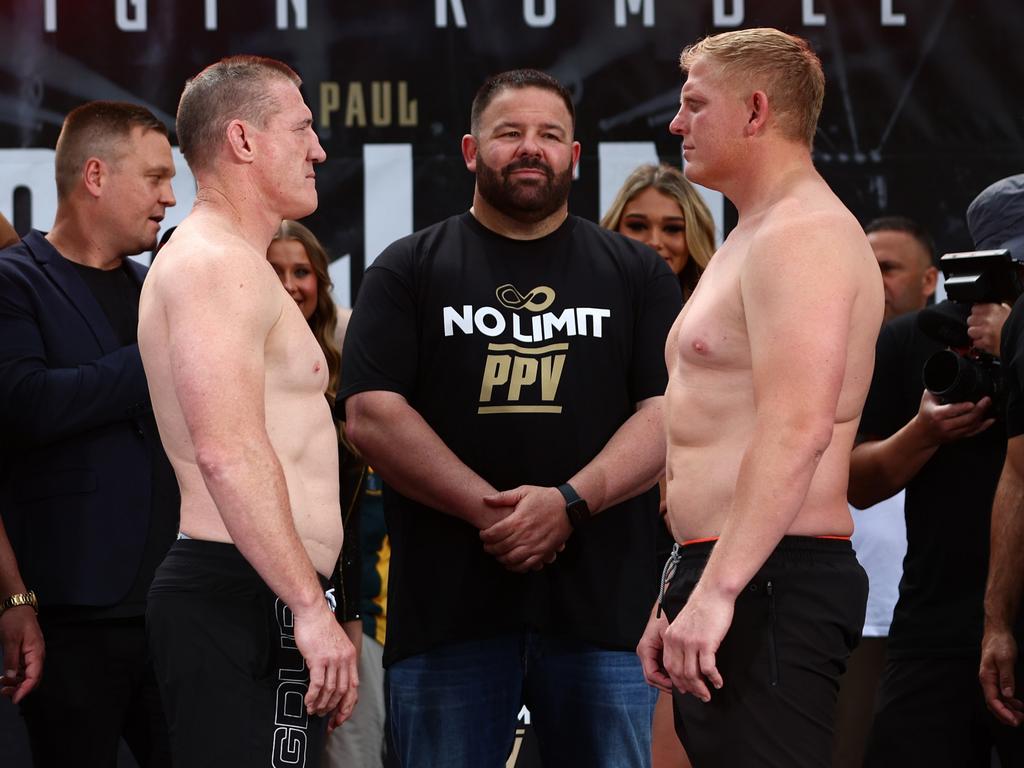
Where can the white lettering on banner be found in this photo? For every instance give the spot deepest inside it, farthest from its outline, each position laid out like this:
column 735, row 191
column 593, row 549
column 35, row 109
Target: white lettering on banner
column 441, row 13
column 890, row 18
column 387, row 193
column 32, row 169
column 725, row 13
column 731, row 19
column 126, row 23
column 50, row 15
column 634, row 7
column 299, row 6
column 810, row 17
column 534, row 19
column 616, row 160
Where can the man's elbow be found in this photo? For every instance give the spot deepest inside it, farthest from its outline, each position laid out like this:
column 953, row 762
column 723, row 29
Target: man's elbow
column 217, row 461
column 364, row 413
column 807, row 437
column 858, row 495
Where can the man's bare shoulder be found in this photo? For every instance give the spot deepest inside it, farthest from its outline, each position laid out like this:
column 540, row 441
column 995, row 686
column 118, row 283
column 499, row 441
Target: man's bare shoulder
column 211, row 274
column 816, row 231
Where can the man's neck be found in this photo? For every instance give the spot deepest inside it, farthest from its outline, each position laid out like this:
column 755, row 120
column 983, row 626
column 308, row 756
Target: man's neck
column 769, row 177
column 514, row 229
column 75, row 243
column 236, row 208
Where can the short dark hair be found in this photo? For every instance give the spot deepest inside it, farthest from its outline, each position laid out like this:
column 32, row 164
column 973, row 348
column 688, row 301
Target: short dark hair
column 232, row 88
column 906, row 225
column 517, row 78
column 97, row 129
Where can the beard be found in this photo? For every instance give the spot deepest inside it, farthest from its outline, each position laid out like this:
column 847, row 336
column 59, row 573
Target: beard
column 524, row 200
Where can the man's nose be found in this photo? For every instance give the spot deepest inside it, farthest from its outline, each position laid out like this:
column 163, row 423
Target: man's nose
column 167, row 195
column 677, row 126
column 318, row 155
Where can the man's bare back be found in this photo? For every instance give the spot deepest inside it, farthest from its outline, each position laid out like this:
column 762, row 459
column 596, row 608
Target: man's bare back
column 297, row 417
column 808, row 258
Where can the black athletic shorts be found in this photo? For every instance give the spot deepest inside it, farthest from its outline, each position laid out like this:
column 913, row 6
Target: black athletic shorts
column 794, row 626
column 231, row 678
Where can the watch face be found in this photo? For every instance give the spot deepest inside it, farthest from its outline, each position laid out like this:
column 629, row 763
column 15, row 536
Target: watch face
column 578, row 512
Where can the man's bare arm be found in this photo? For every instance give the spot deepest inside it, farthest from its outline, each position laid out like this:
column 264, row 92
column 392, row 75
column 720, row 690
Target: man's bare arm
column 881, row 468
column 217, row 328
column 630, row 463
column 409, row 455
column 1004, row 590
column 799, row 287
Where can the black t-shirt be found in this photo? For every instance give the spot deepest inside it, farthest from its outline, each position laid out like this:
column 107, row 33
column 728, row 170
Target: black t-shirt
column 525, row 358
column 948, row 507
column 117, row 292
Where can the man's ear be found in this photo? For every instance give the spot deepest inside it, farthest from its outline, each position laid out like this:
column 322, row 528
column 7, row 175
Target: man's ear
column 469, row 151
column 240, row 141
column 759, row 109
column 929, row 281
column 94, row 175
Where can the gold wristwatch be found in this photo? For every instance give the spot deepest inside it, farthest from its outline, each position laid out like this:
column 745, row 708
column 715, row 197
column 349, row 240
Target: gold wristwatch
column 22, row 598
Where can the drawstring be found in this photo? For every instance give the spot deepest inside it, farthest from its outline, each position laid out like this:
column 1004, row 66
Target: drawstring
column 666, row 575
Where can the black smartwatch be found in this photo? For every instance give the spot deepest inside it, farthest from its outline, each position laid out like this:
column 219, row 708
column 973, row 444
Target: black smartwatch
column 576, row 509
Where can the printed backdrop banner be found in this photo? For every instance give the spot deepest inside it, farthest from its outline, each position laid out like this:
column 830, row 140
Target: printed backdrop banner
column 919, row 114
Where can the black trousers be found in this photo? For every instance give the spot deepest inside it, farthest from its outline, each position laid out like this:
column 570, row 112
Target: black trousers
column 794, row 626
column 930, row 712
column 98, row 685
column 232, row 679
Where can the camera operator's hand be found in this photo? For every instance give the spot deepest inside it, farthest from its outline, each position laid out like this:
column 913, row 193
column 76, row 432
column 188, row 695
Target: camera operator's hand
column 944, row 423
column 985, row 325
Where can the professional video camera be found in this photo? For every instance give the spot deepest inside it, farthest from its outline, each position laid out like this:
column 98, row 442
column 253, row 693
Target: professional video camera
column 962, row 373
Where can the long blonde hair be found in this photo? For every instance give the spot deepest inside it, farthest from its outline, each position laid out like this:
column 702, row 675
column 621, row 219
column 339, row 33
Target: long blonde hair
column 700, row 227
column 324, row 320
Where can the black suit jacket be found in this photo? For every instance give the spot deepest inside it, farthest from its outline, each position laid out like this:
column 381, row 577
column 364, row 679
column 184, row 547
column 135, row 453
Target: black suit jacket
column 78, row 452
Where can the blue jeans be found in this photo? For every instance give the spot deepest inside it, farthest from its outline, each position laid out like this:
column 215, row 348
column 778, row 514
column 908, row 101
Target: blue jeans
column 456, row 706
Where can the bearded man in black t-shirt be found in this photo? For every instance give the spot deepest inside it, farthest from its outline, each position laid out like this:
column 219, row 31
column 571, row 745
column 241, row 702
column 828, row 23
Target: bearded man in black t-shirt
column 504, row 373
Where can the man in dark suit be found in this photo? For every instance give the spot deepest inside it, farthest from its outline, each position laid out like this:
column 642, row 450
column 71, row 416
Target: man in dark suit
column 87, row 495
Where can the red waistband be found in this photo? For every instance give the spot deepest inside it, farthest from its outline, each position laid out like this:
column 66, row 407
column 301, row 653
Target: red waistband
column 688, row 542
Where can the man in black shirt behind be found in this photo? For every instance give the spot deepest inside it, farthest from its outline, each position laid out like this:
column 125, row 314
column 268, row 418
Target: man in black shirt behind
column 87, row 495
column 948, row 456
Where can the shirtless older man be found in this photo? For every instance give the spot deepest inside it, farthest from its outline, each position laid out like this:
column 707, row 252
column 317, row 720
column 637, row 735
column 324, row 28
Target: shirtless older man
column 769, row 365
column 248, row 652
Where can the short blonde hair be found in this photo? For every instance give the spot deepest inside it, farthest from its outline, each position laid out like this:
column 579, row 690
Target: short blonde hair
column 700, row 227
column 783, row 66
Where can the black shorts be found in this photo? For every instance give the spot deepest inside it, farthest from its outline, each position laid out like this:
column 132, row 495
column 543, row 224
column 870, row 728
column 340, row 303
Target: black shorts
column 231, row 678
column 794, row 626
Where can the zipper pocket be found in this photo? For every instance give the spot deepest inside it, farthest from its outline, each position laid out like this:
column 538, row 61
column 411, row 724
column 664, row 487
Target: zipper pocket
column 772, row 649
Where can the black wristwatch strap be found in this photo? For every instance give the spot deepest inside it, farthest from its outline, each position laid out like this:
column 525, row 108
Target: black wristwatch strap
column 575, row 508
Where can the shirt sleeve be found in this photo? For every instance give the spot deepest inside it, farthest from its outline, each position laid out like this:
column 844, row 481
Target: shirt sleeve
column 661, row 301
column 884, row 413
column 381, row 350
